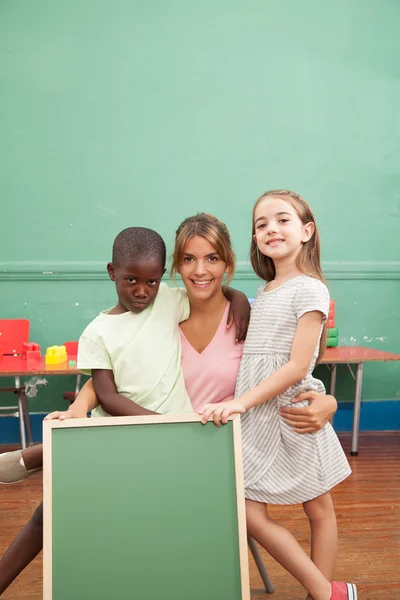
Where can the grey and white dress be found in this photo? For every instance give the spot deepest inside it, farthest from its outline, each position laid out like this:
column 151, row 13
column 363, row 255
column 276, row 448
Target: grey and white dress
column 281, row 466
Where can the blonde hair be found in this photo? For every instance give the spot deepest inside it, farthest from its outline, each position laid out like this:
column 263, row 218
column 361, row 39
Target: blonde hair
column 211, row 229
column 308, row 259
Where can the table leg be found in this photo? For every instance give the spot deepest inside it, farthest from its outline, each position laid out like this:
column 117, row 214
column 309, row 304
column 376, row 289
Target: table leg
column 21, row 415
column 357, row 410
column 78, row 384
column 332, row 386
column 27, row 418
column 269, row 588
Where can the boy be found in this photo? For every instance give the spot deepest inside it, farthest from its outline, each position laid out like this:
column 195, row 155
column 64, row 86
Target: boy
column 133, row 352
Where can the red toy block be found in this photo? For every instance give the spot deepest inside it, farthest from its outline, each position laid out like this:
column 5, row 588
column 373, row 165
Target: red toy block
column 71, row 347
column 331, row 304
column 30, row 350
column 331, row 324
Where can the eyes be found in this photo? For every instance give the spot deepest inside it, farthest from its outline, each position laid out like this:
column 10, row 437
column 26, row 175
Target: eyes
column 212, row 259
column 263, row 225
column 151, row 282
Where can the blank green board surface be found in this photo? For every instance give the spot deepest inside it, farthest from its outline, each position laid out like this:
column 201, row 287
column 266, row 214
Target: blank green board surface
column 144, row 511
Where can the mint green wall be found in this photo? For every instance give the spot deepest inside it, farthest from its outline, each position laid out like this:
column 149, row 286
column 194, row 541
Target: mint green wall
column 118, row 113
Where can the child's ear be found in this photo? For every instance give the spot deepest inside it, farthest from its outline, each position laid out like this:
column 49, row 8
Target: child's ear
column 308, row 231
column 111, row 271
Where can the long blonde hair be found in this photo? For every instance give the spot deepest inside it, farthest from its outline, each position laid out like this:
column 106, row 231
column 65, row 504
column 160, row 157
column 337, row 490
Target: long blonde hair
column 214, row 231
column 308, row 259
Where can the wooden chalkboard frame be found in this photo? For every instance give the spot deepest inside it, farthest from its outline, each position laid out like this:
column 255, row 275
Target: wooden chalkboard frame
column 49, row 426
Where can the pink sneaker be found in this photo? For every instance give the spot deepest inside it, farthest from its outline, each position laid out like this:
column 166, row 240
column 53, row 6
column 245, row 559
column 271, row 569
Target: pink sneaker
column 343, row 591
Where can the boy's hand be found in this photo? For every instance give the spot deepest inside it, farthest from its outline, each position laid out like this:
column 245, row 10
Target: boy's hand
column 221, row 411
column 62, row 415
column 239, row 312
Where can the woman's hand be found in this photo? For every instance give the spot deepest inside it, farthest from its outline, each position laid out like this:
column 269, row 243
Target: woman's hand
column 221, row 411
column 62, row 415
column 308, row 419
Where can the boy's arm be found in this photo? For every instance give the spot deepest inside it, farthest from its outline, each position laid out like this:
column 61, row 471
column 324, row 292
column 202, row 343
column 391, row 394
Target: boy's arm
column 239, row 312
column 94, row 359
column 112, row 402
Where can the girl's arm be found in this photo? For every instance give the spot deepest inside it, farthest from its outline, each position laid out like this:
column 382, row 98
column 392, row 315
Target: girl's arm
column 85, row 401
column 303, row 347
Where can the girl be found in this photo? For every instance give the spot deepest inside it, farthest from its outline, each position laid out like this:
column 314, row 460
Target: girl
column 285, row 338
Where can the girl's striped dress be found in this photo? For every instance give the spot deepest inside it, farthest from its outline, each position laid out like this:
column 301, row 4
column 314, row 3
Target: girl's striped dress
column 281, row 466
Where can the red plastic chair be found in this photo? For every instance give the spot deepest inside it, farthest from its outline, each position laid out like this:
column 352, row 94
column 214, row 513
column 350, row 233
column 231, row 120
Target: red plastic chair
column 14, row 333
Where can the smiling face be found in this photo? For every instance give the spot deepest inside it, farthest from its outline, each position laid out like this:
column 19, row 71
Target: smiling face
column 279, row 231
column 137, row 283
column 201, row 269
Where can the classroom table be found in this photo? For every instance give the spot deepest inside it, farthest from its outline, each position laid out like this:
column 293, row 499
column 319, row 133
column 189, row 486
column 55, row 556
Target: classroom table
column 17, row 367
column 353, row 355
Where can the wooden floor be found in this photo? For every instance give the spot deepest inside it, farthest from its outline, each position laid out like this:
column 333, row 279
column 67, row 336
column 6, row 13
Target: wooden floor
column 368, row 511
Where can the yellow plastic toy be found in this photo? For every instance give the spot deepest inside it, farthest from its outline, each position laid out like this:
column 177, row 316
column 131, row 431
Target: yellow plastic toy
column 56, row 355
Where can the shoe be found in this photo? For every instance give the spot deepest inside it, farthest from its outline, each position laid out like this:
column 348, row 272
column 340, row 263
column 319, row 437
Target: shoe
column 343, row 591
column 11, row 470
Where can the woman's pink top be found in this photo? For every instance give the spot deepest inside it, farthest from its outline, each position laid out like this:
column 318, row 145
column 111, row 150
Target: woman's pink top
column 210, row 376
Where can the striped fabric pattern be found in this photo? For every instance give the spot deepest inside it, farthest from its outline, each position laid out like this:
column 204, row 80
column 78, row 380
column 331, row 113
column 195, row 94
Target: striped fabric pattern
column 280, row 466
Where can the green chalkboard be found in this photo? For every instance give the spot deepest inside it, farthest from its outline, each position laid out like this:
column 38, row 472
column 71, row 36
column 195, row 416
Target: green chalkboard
column 144, row 510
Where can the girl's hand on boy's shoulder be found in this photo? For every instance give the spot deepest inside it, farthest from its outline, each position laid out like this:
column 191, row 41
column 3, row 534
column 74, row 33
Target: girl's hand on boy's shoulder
column 221, row 411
